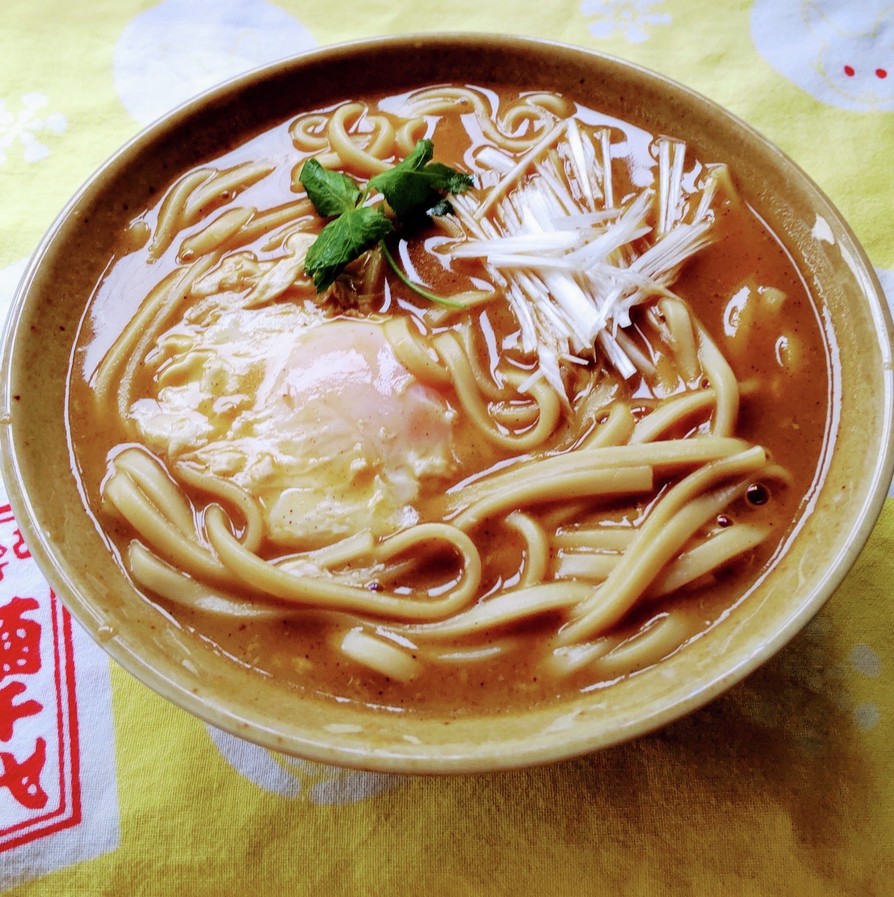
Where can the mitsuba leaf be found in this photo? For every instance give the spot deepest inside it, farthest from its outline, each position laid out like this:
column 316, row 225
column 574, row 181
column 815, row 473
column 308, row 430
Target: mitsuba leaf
column 342, row 240
column 415, row 185
column 331, row 192
column 414, row 189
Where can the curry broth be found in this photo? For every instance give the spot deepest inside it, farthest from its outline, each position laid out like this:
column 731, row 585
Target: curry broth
column 786, row 410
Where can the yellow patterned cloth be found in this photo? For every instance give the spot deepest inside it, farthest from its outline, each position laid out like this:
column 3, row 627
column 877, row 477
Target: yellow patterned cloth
column 783, row 786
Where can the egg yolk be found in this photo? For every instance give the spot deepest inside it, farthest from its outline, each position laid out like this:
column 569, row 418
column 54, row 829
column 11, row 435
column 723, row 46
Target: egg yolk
column 317, row 418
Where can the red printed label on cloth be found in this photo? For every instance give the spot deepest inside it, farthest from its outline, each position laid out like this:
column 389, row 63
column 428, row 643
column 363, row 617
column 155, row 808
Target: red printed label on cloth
column 39, row 751
column 58, row 801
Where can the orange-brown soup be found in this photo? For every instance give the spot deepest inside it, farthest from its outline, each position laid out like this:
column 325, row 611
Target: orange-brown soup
column 451, row 463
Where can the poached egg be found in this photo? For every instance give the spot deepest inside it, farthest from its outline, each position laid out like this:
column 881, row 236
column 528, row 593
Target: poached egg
column 314, row 416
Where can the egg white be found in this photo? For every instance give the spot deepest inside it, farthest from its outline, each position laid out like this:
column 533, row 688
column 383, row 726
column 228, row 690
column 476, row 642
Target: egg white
column 314, row 416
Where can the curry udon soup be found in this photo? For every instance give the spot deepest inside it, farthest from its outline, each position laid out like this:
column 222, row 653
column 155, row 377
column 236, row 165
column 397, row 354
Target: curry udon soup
column 526, row 442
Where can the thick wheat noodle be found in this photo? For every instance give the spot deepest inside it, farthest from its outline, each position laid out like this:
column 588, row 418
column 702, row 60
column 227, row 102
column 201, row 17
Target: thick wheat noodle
column 159, row 488
column 356, row 552
column 487, row 386
column 596, row 538
column 664, row 454
column 407, row 542
column 236, row 227
column 504, row 610
column 559, row 514
column 681, row 511
column 217, row 232
column 311, row 591
column 232, row 494
column 707, row 557
column 535, row 489
column 308, row 132
column 259, row 224
column 648, row 646
column 444, row 99
column 639, row 358
column 656, row 640
column 614, row 430
column 366, row 161
column 106, row 375
column 413, row 353
column 515, row 417
column 409, row 134
column 224, row 185
column 519, row 116
column 380, row 655
column 472, row 655
column 152, row 573
column 460, row 304
column 672, row 412
column 682, row 337
column 466, row 385
column 721, row 377
column 531, row 112
column 167, row 305
column 687, row 567
column 566, row 660
column 170, row 215
column 592, row 566
column 157, row 530
column 345, row 551
column 536, row 547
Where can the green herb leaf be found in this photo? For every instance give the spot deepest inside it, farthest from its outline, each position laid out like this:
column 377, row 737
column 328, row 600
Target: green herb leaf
column 343, row 240
column 414, row 187
column 331, row 192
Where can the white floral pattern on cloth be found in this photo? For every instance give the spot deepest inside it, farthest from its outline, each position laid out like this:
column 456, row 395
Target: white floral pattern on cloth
column 865, row 662
column 180, row 48
column 819, row 689
column 24, row 123
column 630, row 19
column 300, row 779
column 839, row 51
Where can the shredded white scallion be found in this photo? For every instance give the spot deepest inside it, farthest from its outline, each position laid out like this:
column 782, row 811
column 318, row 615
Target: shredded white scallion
column 571, row 263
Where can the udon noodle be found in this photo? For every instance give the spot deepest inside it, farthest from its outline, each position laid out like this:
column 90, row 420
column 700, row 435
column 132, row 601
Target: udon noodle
column 574, row 465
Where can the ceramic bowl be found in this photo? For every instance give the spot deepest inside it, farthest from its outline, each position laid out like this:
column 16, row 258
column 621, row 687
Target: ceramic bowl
column 73, row 554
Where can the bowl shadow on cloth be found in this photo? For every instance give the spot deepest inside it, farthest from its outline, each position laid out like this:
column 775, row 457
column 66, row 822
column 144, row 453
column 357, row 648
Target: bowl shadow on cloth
column 779, row 752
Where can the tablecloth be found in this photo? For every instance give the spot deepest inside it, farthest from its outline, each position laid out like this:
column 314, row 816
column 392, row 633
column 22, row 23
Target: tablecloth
column 785, row 785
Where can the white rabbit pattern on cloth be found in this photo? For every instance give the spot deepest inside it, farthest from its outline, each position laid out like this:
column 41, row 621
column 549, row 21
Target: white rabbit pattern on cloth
column 841, row 52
